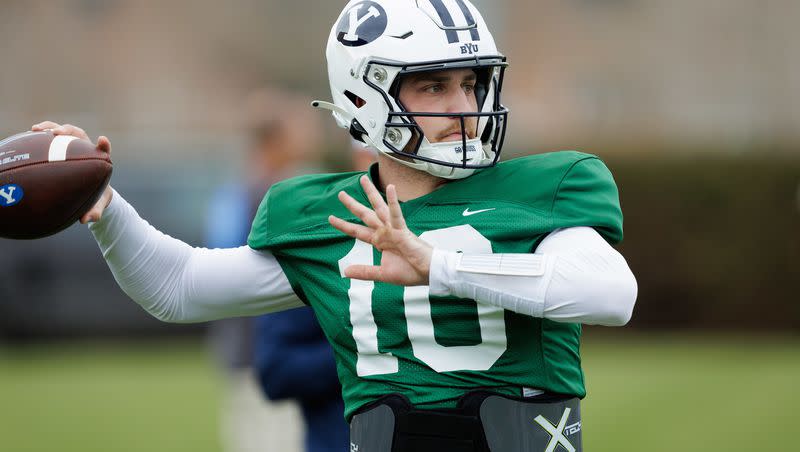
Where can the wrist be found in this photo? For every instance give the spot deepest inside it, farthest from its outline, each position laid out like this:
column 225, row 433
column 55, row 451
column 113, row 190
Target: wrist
column 419, row 253
column 442, row 271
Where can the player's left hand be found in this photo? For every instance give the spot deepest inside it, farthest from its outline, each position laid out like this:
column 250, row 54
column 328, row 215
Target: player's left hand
column 406, row 259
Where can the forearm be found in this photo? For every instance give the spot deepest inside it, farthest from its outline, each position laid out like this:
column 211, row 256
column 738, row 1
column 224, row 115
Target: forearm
column 574, row 276
column 178, row 283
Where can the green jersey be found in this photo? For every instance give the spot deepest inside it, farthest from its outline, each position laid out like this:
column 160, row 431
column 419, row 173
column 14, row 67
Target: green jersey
column 392, row 339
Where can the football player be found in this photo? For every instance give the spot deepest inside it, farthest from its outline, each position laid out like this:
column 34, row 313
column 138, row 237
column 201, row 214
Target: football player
column 452, row 287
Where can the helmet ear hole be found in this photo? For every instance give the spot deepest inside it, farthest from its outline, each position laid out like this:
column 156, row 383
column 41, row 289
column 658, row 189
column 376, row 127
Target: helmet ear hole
column 356, row 100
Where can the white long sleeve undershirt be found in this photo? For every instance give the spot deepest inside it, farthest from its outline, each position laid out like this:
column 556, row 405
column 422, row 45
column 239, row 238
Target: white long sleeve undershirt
column 582, row 280
column 573, row 276
column 178, row 283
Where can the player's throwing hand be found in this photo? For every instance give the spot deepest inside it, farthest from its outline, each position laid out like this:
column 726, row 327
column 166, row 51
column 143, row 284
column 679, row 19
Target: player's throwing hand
column 103, row 144
column 406, row 259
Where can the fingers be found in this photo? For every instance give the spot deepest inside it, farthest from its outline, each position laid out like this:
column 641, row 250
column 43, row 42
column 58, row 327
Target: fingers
column 96, row 212
column 44, row 125
column 58, row 129
column 363, row 272
column 381, row 217
column 104, row 144
column 361, row 211
column 69, row 129
column 356, row 231
column 375, row 199
column 91, row 216
column 395, row 212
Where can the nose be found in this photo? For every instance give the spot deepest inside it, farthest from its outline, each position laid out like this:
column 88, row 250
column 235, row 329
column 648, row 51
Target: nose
column 459, row 102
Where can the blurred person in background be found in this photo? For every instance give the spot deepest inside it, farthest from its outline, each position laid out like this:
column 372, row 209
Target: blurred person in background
column 282, row 142
column 294, row 361
column 455, row 317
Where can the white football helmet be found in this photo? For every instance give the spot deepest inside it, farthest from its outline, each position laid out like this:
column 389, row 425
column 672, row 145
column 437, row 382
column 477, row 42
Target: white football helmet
column 374, row 43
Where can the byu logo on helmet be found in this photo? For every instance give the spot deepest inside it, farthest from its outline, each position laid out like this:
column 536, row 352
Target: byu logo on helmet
column 361, row 24
column 10, row 194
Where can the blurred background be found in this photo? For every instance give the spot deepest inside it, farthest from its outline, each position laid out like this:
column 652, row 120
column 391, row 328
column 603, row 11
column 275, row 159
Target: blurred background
column 695, row 107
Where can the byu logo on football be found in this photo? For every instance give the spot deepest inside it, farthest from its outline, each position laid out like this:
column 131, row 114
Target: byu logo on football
column 361, row 24
column 10, row 194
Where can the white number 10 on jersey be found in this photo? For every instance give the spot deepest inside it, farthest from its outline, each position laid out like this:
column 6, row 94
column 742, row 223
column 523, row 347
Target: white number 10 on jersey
column 418, row 314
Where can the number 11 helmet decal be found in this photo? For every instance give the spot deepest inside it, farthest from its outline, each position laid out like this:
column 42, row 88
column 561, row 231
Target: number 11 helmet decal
column 375, row 43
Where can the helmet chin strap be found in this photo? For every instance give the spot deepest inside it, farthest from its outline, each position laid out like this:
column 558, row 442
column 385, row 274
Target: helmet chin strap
column 447, row 152
column 438, row 151
column 420, row 166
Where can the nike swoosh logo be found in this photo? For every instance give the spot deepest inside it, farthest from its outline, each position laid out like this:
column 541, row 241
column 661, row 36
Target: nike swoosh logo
column 468, row 213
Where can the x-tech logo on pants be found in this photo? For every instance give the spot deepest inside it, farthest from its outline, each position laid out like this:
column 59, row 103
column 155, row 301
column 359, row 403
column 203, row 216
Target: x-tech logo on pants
column 556, row 432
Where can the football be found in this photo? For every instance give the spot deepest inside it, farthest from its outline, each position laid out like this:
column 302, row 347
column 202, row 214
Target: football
column 48, row 182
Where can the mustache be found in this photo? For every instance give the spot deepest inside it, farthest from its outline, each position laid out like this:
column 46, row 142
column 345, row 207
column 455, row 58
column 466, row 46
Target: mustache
column 470, row 132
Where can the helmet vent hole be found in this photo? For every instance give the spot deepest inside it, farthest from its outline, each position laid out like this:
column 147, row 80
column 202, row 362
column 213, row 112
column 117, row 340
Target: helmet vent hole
column 357, row 101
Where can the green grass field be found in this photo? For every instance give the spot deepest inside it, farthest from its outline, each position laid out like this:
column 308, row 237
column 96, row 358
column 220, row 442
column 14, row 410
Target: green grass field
column 646, row 393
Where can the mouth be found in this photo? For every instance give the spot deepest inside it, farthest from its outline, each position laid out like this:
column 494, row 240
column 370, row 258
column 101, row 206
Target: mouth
column 455, row 136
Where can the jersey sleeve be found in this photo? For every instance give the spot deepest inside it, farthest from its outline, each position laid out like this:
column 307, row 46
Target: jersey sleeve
column 261, row 239
column 294, row 212
column 587, row 196
column 257, row 239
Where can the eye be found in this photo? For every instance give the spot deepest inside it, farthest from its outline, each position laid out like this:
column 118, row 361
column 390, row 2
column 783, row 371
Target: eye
column 433, row 88
column 469, row 88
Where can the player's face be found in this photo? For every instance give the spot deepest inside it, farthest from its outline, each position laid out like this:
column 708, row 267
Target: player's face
column 451, row 91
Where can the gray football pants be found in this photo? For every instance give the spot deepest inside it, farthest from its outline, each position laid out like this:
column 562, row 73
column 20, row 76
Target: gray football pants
column 501, row 425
